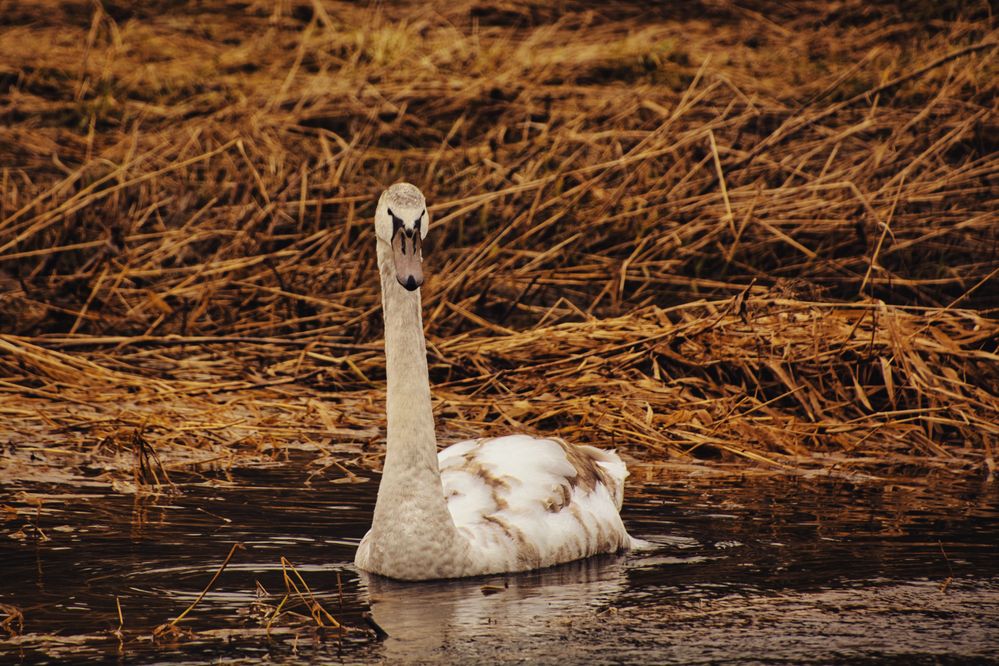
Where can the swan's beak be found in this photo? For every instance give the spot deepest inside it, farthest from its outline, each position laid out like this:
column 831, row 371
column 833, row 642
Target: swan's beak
column 407, row 251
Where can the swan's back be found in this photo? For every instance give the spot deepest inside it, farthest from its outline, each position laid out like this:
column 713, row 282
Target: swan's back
column 525, row 503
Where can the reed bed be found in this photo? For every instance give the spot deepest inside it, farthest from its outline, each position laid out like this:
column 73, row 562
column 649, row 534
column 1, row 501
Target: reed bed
column 749, row 233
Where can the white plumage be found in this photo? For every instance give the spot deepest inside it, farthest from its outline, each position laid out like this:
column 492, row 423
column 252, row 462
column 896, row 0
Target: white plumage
column 482, row 506
column 523, row 503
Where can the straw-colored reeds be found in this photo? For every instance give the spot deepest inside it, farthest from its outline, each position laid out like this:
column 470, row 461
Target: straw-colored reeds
column 750, row 232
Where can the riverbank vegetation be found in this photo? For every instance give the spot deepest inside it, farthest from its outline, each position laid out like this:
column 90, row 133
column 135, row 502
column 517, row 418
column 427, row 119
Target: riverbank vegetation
column 711, row 234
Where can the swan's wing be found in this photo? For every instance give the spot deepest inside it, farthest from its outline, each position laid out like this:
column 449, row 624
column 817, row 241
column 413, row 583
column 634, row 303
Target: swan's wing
column 537, row 501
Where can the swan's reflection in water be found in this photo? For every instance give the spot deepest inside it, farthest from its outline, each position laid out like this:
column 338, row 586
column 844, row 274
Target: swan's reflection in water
column 434, row 617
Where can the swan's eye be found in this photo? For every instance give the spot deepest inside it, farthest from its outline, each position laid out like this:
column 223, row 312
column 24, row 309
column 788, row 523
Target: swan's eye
column 419, row 220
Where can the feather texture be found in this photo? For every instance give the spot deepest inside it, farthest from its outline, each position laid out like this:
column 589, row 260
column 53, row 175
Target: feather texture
column 525, row 503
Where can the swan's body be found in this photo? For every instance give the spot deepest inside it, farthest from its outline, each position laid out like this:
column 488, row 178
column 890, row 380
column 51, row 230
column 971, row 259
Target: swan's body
column 482, row 506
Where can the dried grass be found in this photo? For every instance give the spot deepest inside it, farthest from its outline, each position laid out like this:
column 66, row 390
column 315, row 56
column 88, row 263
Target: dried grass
column 751, row 232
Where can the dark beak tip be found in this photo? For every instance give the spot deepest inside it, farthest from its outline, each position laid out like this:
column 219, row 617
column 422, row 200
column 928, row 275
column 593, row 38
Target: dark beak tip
column 410, row 284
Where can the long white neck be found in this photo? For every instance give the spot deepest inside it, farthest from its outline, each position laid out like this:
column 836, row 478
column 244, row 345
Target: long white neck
column 411, row 512
column 412, row 443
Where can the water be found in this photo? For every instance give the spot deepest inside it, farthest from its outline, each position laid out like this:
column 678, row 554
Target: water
column 743, row 570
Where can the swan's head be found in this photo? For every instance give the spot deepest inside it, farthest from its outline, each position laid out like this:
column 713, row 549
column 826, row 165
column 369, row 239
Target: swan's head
column 401, row 221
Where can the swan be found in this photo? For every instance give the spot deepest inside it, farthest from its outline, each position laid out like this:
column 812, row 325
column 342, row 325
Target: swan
column 483, row 506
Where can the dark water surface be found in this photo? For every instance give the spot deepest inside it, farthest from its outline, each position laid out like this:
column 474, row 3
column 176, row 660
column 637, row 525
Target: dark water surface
column 738, row 570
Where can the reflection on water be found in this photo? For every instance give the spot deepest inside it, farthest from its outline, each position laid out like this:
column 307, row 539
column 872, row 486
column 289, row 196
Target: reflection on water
column 496, row 612
column 774, row 570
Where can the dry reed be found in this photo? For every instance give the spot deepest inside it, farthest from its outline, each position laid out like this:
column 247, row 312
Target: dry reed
column 756, row 232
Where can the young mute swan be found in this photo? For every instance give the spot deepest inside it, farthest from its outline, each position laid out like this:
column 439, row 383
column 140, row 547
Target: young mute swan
column 478, row 507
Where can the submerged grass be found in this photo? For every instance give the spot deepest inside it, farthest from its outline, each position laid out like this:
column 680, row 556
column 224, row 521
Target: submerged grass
column 750, row 232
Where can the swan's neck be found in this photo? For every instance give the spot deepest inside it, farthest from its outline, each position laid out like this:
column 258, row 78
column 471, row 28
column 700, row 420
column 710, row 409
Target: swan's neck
column 411, row 508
